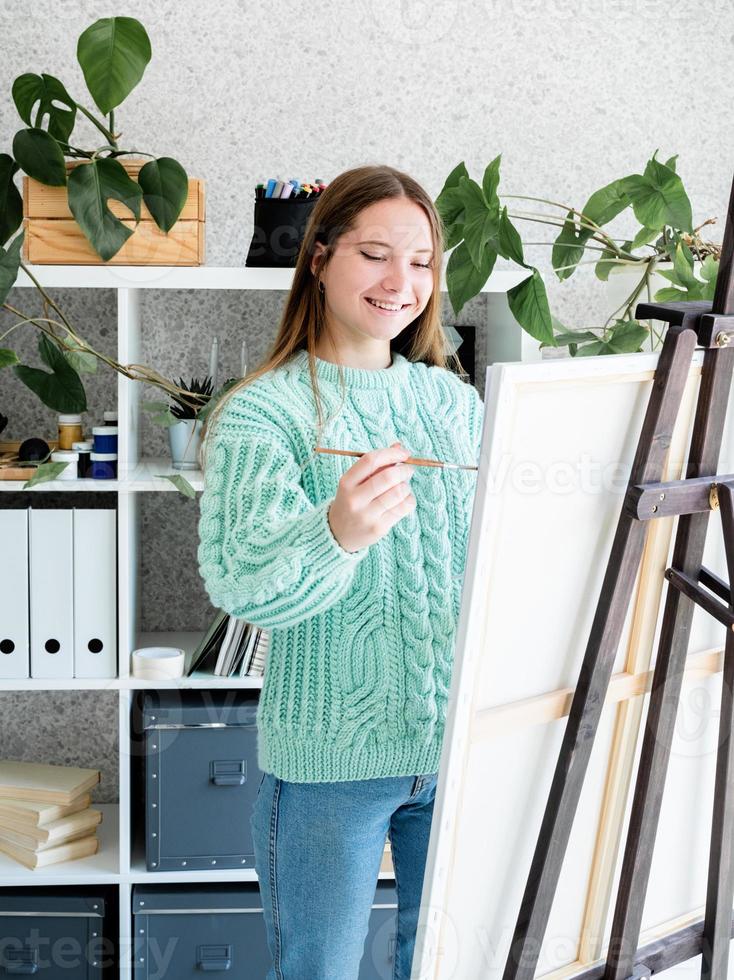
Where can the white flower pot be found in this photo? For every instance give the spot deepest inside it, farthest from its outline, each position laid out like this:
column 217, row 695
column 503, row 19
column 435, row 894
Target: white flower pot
column 184, row 439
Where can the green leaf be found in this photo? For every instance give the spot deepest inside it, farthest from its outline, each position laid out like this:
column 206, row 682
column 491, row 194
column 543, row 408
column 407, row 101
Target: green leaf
column 643, row 237
column 606, row 263
column 113, row 54
column 491, row 180
column 90, row 186
column 710, row 268
column 44, row 472
column 659, row 198
column 683, row 266
column 61, row 390
column 528, row 303
column 568, row 248
column 606, row 203
column 591, row 350
column 463, row 279
column 40, row 156
column 450, row 207
column 510, row 243
column 82, row 361
column 627, row 337
column 670, row 162
column 51, row 97
column 203, row 412
column 9, row 265
column 481, row 222
column 11, row 203
column 669, row 295
column 148, row 406
column 8, row 357
column 573, row 337
column 180, row 483
column 165, row 189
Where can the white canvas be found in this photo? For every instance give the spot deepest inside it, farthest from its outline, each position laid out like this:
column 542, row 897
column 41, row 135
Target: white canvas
column 558, row 443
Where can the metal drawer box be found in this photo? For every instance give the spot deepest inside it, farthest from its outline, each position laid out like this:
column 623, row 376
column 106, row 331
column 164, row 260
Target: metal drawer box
column 57, row 938
column 200, row 778
column 182, row 930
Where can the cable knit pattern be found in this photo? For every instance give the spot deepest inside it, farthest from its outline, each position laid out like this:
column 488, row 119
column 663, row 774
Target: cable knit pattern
column 361, row 650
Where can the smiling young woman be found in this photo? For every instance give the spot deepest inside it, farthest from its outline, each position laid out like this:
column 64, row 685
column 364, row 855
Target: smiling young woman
column 354, row 568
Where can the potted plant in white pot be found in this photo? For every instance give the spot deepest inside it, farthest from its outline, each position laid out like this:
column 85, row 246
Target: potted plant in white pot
column 184, row 418
column 658, row 262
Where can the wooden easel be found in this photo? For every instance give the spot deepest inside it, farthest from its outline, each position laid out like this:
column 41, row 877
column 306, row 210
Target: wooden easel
column 691, row 325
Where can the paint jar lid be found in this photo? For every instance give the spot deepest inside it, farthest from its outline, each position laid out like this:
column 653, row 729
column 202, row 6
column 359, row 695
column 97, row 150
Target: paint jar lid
column 110, row 416
column 103, row 455
column 82, row 447
column 104, row 430
column 69, row 419
column 64, row 456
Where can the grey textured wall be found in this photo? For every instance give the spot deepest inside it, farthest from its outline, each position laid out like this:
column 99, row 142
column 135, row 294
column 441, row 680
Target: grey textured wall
column 573, row 95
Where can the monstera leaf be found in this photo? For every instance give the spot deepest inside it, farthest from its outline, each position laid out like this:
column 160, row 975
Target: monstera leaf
column 90, row 186
column 61, row 389
column 165, row 189
column 40, row 156
column 11, row 203
column 51, row 97
column 113, row 54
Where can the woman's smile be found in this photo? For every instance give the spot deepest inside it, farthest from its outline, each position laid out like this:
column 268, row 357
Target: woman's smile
column 382, row 311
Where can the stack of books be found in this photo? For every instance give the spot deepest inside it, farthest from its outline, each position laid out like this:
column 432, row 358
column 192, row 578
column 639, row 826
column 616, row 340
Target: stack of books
column 45, row 813
column 230, row 647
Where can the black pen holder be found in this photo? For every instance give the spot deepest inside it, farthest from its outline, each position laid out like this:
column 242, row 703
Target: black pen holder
column 280, row 227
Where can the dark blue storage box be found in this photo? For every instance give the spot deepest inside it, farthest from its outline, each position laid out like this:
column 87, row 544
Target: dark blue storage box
column 51, row 937
column 181, row 931
column 200, row 778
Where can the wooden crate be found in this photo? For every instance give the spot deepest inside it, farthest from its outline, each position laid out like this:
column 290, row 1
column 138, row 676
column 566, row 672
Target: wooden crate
column 52, row 236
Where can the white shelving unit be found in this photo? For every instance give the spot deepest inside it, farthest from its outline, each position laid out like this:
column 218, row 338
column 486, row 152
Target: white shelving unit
column 114, row 863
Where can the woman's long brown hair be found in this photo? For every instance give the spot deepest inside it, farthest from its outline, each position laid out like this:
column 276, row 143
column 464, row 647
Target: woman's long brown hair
column 303, row 319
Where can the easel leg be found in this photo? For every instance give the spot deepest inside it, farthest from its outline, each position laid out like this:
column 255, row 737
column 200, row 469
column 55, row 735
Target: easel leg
column 720, row 891
column 667, row 679
column 669, row 384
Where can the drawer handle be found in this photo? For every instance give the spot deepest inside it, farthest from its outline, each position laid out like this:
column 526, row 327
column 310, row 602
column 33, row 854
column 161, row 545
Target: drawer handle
column 214, row 957
column 227, row 772
column 26, row 962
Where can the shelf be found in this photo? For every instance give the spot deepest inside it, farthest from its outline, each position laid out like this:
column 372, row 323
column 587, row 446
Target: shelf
column 197, row 277
column 60, row 684
column 143, row 478
column 186, row 641
column 104, row 866
column 139, row 873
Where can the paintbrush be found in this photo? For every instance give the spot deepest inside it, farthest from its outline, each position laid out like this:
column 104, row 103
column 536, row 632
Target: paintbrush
column 412, row 460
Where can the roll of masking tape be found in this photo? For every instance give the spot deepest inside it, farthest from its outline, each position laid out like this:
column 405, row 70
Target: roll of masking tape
column 158, row 663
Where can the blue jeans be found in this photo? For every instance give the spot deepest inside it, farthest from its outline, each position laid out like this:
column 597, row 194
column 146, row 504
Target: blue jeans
column 318, row 849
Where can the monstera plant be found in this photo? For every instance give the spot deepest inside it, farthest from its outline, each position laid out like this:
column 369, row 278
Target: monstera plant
column 479, row 229
column 113, row 54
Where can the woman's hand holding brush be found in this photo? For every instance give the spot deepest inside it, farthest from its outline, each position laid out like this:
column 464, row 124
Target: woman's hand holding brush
column 372, row 496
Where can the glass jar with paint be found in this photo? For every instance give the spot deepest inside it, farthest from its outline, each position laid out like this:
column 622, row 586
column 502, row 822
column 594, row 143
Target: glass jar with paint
column 105, row 438
column 71, row 459
column 70, row 430
column 84, row 448
column 103, row 466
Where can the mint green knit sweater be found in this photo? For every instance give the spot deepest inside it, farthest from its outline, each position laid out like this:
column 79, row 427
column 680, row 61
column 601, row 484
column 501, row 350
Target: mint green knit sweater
column 361, row 647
